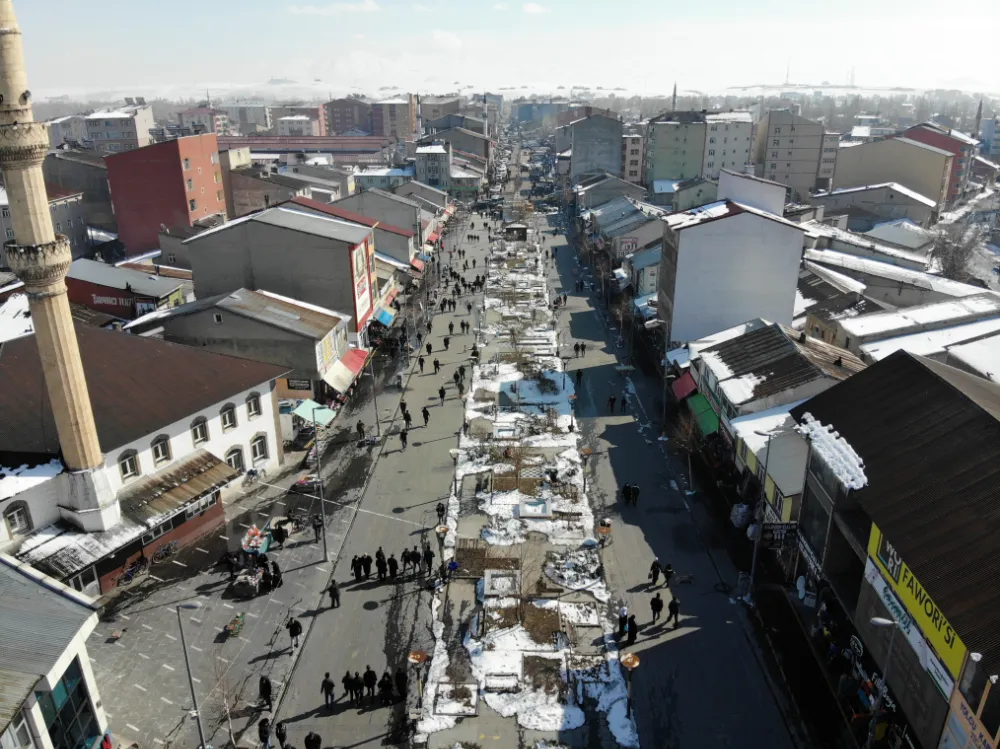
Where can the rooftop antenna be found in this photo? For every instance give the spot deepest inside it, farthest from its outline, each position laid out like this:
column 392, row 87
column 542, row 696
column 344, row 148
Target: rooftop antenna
column 673, row 101
column 788, row 71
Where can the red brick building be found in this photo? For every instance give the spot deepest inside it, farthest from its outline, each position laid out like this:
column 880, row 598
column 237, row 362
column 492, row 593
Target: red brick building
column 960, row 145
column 173, row 183
column 343, row 115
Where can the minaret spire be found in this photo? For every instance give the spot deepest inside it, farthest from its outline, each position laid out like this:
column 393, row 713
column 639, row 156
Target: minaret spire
column 40, row 258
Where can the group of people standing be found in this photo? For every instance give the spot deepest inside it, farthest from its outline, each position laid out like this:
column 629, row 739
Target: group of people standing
column 359, row 686
column 630, row 494
column 387, row 568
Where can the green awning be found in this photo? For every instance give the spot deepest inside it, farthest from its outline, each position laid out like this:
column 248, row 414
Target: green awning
column 312, row 411
column 704, row 416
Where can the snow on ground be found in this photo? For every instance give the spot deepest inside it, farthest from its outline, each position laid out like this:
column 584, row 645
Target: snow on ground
column 14, row 480
column 579, row 569
column 429, row 721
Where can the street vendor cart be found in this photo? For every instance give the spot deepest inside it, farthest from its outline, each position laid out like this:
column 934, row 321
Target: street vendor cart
column 247, row 583
column 256, row 541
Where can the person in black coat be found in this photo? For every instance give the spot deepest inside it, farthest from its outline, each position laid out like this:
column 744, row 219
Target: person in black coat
column 656, row 606
column 633, row 630
column 264, row 732
column 674, row 609
column 348, row 682
column 294, row 627
column 429, row 559
column 393, row 566
column 382, row 567
column 334, row 591
column 385, row 689
column 264, row 691
column 635, row 495
column 371, row 680
column 275, row 575
column 359, row 689
column 357, row 568
column 313, row 741
column 654, row 572
column 281, row 734
column 366, row 564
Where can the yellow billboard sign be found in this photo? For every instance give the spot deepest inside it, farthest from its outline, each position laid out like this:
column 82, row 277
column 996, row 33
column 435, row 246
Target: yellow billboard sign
column 932, row 622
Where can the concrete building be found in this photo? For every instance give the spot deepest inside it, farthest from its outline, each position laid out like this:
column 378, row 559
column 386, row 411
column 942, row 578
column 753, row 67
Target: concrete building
column 230, row 160
column 433, row 164
column 314, row 259
column 209, row 120
column 122, row 129
column 727, row 142
column 867, row 205
column 165, row 184
column 596, row 143
column 989, row 136
column 684, row 145
column 395, row 210
column 342, row 150
column 384, row 177
column 632, row 158
column 431, row 198
column 49, row 686
column 623, row 226
column 343, row 115
column 924, row 169
column 962, row 148
column 394, row 241
column 249, row 117
column 66, row 210
column 309, row 341
column 755, row 192
column 255, row 188
column 121, row 292
column 298, row 124
column 395, row 118
column 78, row 171
column 312, row 111
column 724, row 263
column 436, row 107
column 828, row 161
column 448, row 121
column 338, row 180
column 788, row 149
column 462, row 140
column 597, row 189
column 71, row 129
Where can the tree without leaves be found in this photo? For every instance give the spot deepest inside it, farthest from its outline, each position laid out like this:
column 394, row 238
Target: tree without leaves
column 954, row 247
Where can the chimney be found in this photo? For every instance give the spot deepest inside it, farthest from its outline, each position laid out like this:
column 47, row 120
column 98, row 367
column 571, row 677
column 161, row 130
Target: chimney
column 41, row 260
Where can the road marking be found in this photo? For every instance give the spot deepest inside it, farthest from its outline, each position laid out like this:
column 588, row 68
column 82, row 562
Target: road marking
column 179, row 564
column 146, row 626
column 299, row 584
column 144, row 656
column 243, row 638
column 203, row 551
column 253, row 615
column 169, row 668
column 244, row 525
column 155, row 741
column 170, row 636
column 222, row 659
column 154, row 577
column 164, row 699
column 129, row 724
column 322, row 569
column 126, row 618
column 278, row 502
column 196, row 680
column 195, row 647
column 140, row 687
column 228, row 606
column 198, row 621
column 224, row 538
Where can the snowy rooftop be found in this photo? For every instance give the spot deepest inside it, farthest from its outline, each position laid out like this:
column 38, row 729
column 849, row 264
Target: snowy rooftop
column 984, row 304
column 665, row 186
column 407, row 171
column 915, row 259
column 718, row 210
column 930, row 342
column 864, row 265
column 835, row 451
column 902, row 232
column 17, row 479
column 788, row 451
column 982, row 356
column 745, row 117
column 879, row 186
column 435, row 148
column 15, row 319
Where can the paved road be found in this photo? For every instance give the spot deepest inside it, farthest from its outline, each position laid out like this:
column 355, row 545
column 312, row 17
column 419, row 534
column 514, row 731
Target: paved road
column 703, row 684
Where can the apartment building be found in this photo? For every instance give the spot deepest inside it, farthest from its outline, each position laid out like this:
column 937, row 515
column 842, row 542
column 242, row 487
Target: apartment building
column 632, row 158
column 249, row 117
column 989, row 135
column 66, row 208
column 685, row 145
column 787, row 149
column 395, row 118
column 314, row 112
column 69, row 129
column 962, row 147
column 922, row 168
column 207, row 119
column 435, row 107
column 298, row 124
column 122, row 129
column 343, row 115
column 727, row 142
column 828, row 161
column 433, row 164
column 596, row 143
column 166, row 184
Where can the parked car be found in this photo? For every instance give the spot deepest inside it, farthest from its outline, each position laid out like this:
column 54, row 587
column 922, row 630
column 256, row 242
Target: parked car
column 308, row 484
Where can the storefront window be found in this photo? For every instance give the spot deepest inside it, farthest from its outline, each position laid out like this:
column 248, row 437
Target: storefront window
column 973, row 684
column 813, row 520
column 990, row 717
column 68, row 715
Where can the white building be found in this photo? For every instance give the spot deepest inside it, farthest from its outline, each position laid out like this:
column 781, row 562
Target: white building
column 433, row 165
column 249, row 117
column 121, row 129
column 724, row 263
column 632, row 158
column 48, row 686
column 69, row 129
column 727, row 142
column 298, row 124
column 177, row 426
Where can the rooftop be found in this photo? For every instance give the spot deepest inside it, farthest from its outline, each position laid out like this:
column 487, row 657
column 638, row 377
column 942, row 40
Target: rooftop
column 981, row 357
column 114, row 277
column 433, row 148
column 864, row 266
column 931, row 343
column 930, row 441
column 720, row 209
column 386, row 171
column 880, row 186
column 317, row 143
column 912, row 142
column 901, row 232
column 964, row 309
column 162, row 383
column 335, row 211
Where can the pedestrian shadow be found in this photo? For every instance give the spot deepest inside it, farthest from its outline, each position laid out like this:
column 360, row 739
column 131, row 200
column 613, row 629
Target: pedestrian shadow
column 268, row 656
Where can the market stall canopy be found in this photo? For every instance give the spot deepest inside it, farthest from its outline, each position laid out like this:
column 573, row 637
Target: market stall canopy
column 314, row 412
column 701, row 410
column 342, row 374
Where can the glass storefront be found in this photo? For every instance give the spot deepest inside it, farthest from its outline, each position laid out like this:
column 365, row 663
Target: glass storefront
column 68, row 714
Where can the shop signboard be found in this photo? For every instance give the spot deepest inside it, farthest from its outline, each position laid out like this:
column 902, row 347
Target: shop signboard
column 929, row 618
column 779, row 535
column 627, row 245
column 963, row 730
column 909, row 629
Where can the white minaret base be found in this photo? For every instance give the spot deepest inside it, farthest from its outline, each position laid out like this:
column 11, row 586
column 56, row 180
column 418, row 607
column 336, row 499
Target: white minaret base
column 87, row 500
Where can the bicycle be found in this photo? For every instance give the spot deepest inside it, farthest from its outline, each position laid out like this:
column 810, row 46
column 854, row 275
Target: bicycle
column 137, row 568
column 165, row 551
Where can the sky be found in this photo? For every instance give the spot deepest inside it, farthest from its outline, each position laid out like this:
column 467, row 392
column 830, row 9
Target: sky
column 151, row 48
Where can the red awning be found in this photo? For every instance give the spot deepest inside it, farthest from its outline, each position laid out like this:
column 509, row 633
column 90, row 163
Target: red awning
column 390, row 297
column 343, row 372
column 683, row 386
column 417, row 263
column 433, row 237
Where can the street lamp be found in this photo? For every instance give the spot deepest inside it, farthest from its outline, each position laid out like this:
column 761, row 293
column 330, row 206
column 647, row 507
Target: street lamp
column 187, row 665
column 319, row 479
column 455, row 453
column 378, row 423
column 630, row 661
column 882, row 623
column 585, row 454
column 759, row 513
column 418, row 658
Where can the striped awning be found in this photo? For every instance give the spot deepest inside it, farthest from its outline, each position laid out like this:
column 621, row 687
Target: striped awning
column 343, row 372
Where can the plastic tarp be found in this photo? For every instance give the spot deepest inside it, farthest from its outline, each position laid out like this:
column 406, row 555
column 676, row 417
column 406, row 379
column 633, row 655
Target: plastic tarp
column 706, row 418
column 315, row 413
column 343, row 372
column 423, row 256
column 683, row 386
column 385, row 315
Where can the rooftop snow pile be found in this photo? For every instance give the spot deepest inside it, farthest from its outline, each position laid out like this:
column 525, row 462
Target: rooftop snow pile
column 835, row 451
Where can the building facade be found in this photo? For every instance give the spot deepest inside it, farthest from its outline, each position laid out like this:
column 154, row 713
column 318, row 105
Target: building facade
column 166, row 184
column 122, row 129
column 67, row 211
column 313, row 112
column 727, row 142
column 596, row 143
column 206, row 119
column 79, row 171
column 71, row 129
column 433, row 165
column 395, row 118
column 435, row 107
column 925, row 169
column 298, row 124
column 962, row 148
column 249, row 117
column 788, row 149
column 343, row 115
column 632, row 158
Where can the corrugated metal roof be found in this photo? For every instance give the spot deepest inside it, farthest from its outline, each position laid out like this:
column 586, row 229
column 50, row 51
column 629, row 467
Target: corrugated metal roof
column 310, row 223
column 173, row 487
column 281, row 312
column 280, row 143
column 329, row 209
column 38, row 623
column 137, row 387
column 929, row 437
column 114, row 277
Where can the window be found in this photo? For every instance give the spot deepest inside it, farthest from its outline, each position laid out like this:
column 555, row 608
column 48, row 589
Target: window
column 154, row 534
column 711, row 164
column 258, row 448
column 197, row 508
column 774, row 142
column 792, row 128
column 711, row 140
column 69, row 223
column 990, row 717
column 235, row 459
column 214, row 158
column 199, row 170
column 17, row 735
column 777, row 501
column 773, row 166
column 713, row 128
column 67, row 711
column 10, row 234
column 128, row 464
column 187, row 164
column 219, row 196
column 6, row 212
column 193, row 204
column 743, row 450
column 847, row 343
column 161, row 450
column 777, row 131
column 84, row 580
column 218, row 318
column 711, row 153
column 253, row 406
column 228, row 417
column 18, row 518
column 199, row 431
column 218, row 178
column 190, row 184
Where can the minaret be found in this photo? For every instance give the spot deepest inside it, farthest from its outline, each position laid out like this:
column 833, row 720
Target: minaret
column 41, row 259
column 979, row 120
column 673, row 101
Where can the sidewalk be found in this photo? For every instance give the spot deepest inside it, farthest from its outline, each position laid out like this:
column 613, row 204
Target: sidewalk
column 703, row 684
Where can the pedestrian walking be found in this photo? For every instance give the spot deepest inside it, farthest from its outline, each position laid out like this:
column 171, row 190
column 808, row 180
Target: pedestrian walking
column 356, row 568
column 426, row 414
column 635, row 495
column 622, row 621
column 402, row 439
column 429, row 348
column 674, row 612
column 275, row 576
column 361, row 429
column 579, row 378
column 456, row 377
column 461, row 390
column 371, row 679
column 668, row 572
column 264, row 732
column 446, row 341
column 385, row 689
column 465, row 428
column 656, row 606
column 461, row 372
column 633, row 629
column 401, row 680
column 382, row 568
column 583, row 349
column 420, row 363
column 468, row 308
column 393, row 566
column 654, row 572
column 440, row 512
column 334, row 591
column 358, row 690
column 437, row 366
column 441, row 394
column 451, row 328
column 429, row 559
column 576, row 349
column 326, row 687
column 348, row 682
column 281, row 734
column 294, row 627
column 407, row 419
column 366, row 565
column 313, row 741
column 317, row 526
column 611, row 404
column 624, row 404
column 430, row 326
column 264, row 691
